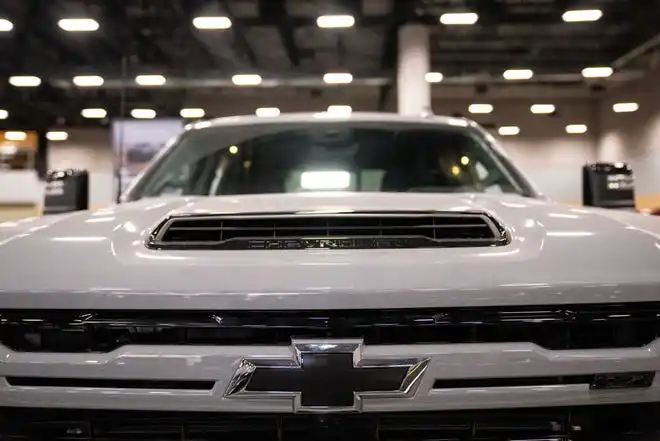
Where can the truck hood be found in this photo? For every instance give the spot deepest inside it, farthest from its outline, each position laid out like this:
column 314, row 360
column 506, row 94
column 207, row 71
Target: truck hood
column 558, row 254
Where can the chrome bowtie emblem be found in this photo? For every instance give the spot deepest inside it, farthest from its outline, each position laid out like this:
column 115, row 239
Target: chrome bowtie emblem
column 326, row 376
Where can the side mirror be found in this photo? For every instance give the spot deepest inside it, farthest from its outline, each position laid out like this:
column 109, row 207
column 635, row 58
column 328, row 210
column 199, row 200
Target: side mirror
column 608, row 185
column 66, row 191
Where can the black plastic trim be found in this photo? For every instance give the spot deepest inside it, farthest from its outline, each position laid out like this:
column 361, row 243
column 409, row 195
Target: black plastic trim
column 618, row 422
column 106, row 383
column 325, row 240
column 554, row 327
column 622, row 380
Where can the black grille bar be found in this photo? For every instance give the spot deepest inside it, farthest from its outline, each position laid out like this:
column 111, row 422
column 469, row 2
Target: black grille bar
column 337, row 230
column 105, row 383
column 625, row 380
column 639, row 422
column 553, row 327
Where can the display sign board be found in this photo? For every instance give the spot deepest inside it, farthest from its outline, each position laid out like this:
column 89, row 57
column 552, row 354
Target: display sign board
column 136, row 142
column 66, row 191
column 18, row 150
column 608, row 185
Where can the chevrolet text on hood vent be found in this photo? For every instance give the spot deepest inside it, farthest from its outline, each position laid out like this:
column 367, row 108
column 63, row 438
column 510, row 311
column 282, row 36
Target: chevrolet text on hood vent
column 354, row 230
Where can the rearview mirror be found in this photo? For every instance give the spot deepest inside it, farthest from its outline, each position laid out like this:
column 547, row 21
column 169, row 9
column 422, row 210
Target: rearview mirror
column 608, row 185
column 66, row 191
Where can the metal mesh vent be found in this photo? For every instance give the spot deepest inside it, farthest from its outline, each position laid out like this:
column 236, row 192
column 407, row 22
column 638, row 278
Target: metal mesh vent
column 331, row 231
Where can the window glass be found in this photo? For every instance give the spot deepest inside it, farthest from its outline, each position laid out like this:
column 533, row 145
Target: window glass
column 327, row 157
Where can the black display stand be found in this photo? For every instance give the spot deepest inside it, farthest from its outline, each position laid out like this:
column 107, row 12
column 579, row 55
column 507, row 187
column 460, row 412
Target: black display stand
column 66, row 191
column 608, row 185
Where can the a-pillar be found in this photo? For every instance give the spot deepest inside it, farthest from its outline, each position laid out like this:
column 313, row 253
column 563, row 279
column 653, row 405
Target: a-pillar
column 414, row 61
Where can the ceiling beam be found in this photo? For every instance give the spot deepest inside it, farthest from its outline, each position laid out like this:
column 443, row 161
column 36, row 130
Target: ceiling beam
column 241, row 45
column 276, row 10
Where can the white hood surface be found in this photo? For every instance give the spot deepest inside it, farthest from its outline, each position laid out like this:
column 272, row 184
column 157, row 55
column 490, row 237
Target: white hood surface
column 99, row 258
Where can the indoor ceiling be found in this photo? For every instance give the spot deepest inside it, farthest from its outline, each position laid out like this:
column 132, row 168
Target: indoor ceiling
column 281, row 41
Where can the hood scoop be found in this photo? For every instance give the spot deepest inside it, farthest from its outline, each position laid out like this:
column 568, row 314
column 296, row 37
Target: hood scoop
column 346, row 230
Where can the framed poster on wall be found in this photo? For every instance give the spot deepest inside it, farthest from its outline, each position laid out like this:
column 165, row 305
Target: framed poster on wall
column 136, row 142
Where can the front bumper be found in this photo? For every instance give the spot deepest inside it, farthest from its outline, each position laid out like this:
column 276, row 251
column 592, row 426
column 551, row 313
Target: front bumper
column 157, row 378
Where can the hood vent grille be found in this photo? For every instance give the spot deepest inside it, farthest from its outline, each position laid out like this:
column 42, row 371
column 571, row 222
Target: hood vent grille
column 328, row 231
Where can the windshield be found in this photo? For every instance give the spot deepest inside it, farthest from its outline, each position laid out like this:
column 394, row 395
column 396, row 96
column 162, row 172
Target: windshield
column 289, row 158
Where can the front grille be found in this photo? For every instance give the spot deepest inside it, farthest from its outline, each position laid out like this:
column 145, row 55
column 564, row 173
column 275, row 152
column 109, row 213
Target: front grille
column 329, row 231
column 552, row 327
column 597, row 423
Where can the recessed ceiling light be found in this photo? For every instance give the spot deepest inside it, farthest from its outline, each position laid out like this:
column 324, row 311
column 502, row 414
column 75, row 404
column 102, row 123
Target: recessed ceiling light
column 461, row 18
column 266, row 112
column 6, row 25
column 246, row 79
column 150, row 80
column 576, row 129
column 78, row 24
column 433, row 77
column 508, row 130
column 15, row 136
column 340, row 110
column 24, row 81
column 597, row 72
column 88, row 80
column 582, row 15
column 209, row 23
column 625, row 107
column 518, row 74
column 337, row 78
column 480, row 108
column 143, row 113
column 542, row 109
column 57, row 136
column 335, row 21
column 192, row 113
column 4, row 114
column 94, row 113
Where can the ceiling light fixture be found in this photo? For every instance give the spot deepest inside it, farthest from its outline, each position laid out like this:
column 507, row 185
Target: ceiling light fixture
column 78, row 24
column 192, row 113
column 542, row 109
column 340, row 110
column 582, row 15
column 94, row 113
column 150, row 80
column 576, row 129
column 508, row 130
column 143, row 113
column 335, row 21
column 88, row 80
column 460, row 18
column 246, row 80
column 480, row 108
column 6, row 25
column 337, row 78
column 597, row 72
column 433, row 77
column 15, row 136
column 625, row 107
column 210, row 23
column 57, row 136
column 24, row 81
column 4, row 114
column 518, row 74
column 267, row 112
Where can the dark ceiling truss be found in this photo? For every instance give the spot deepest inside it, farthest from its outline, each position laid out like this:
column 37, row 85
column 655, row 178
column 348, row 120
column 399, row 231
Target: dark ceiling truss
column 285, row 27
column 157, row 36
column 241, row 43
